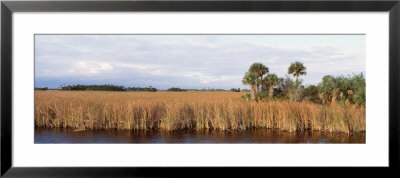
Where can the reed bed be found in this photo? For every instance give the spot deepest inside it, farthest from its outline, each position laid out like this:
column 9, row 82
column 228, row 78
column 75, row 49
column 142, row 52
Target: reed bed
column 83, row 110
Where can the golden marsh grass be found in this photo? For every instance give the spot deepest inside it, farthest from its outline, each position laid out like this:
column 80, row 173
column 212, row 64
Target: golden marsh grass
column 189, row 110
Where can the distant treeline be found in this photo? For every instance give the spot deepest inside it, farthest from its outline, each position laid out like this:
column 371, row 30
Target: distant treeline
column 106, row 88
column 109, row 87
column 151, row 89
column 94, row 87
column 45, row 88
column 208, row 89
column 176, row 89
column 235, row 89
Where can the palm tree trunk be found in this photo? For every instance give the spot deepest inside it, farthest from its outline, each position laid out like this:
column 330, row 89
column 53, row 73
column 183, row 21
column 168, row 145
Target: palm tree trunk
column 271, row 91
column 261, row 85
column 252, row 92
column 334, row 97
column 256, row 89
column 322, row 97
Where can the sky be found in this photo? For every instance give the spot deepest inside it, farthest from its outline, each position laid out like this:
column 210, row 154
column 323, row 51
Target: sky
column 190, row 61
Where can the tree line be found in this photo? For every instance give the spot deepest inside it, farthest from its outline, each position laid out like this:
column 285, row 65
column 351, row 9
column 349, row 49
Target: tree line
column 176, row 89
column 94, row 87
column 339, row 89
column 106, row 87
column 150, row 89
column 44, row 88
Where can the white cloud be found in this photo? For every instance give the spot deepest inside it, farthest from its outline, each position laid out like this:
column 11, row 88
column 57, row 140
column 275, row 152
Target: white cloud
column 83, row 67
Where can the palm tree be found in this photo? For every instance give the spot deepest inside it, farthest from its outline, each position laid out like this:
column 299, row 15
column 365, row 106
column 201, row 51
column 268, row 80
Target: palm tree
column 297, row 69
column 328, row 89
column 260, row 70
column 250, row 78
column 272, row 80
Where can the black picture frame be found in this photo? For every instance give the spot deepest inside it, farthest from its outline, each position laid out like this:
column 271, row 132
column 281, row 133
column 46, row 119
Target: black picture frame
column 8, row 7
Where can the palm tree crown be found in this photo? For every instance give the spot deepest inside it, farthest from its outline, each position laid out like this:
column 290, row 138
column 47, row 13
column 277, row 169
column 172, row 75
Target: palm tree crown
column 259, row 69
column 272, row 80
column 249, row 79
column 297, row 69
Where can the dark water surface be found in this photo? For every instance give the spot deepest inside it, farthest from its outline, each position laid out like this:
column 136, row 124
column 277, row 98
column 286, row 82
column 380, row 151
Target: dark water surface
column 59, row 135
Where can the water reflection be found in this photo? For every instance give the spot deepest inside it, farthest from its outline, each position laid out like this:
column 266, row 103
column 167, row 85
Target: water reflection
column 59, row 135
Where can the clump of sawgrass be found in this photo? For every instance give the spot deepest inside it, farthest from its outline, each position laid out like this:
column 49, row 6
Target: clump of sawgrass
column 189, row 110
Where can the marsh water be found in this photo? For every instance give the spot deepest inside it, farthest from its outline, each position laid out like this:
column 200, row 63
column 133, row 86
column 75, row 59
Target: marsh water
column 60, row 135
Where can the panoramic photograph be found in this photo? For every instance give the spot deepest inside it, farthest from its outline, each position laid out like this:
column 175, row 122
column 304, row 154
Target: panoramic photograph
column 200, row 88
